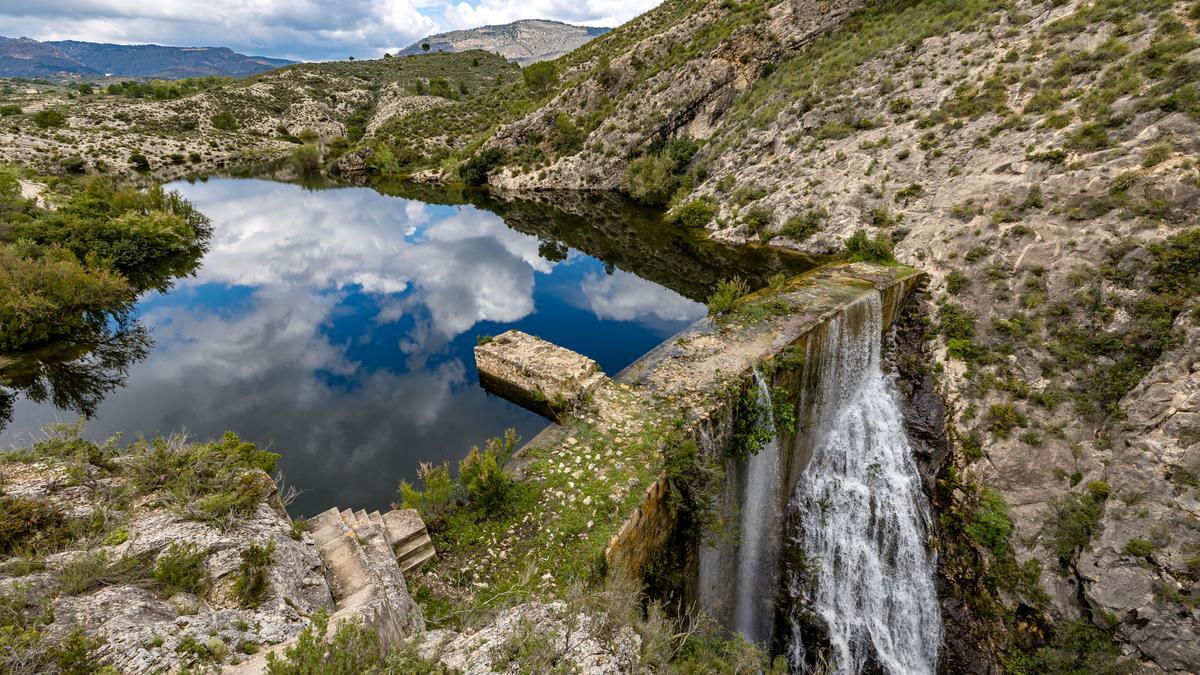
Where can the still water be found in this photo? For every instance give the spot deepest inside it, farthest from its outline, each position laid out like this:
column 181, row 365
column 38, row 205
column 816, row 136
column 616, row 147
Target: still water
column 336, row 326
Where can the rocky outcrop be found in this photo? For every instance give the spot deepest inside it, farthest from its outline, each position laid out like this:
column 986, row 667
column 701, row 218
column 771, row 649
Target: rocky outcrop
column 1150, row 586
column 550, row 637
column 525, row 42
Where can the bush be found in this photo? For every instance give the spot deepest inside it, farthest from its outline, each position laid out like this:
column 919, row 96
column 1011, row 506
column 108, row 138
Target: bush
column 46, row 119
column 94, row 569
column 9, row 110
column 956, row 281
column 139, row 162
column 861, row 248
column 306, row 158
column 1002, row 418
column 30, row 524
column 434, row 501
column 224, row 121
column 757, row 219
column 1140, row 548
column 696, row 213
column 250, row 587
column 215, row 482
column 475, row 170
column 651, row 179
column 1071, row 522
column 53, row 296
column 181, row 569
column 351, row 650
column 489, row 488
column 804, row 225
column 540, row 76
column 990, row 526
column 725, row 296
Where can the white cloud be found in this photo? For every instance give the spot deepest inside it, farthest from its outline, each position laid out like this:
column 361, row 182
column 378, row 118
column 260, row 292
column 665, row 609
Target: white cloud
column 298, row 29
column 622, row 296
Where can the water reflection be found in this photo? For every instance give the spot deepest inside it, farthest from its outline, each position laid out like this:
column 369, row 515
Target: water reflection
column 337, row 326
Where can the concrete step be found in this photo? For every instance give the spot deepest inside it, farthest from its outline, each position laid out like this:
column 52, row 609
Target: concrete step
column 360, row 517
column 347, row 517
column 403, row 551
column 347, row 565
column 404, row 525
column 377, row 520
column 414, row 562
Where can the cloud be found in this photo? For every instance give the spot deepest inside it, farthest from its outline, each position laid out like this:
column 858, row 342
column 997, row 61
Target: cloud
column 622, row 296
column 298, row 29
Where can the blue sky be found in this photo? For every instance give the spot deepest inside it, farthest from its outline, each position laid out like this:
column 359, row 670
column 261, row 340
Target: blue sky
column 296, row 29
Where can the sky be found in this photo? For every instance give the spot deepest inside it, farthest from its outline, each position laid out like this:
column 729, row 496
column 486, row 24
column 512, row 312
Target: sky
column 306, row 30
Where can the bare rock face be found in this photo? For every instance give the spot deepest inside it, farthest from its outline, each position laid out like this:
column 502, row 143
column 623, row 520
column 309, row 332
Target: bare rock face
column 579, row 642
column 525, row 42
column 1148, row 585
column 143, row 629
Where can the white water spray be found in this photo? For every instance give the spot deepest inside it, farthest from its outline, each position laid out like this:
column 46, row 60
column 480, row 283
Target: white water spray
column 865, row 519
column 761, row 517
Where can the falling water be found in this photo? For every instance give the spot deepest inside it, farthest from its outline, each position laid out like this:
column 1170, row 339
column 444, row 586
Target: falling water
column 761, row 516
column 864, row 518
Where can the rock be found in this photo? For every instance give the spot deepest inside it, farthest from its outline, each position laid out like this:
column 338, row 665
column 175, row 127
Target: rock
column 546, row 633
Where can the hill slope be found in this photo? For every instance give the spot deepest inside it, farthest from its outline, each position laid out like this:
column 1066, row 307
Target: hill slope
column 525, row 41
column 23, row 57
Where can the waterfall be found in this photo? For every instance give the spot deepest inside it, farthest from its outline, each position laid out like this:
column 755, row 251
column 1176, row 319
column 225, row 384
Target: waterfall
column 761, row 518
column 864, row 520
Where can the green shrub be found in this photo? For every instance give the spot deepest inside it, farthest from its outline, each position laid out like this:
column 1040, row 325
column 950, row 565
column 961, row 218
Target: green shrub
column 475, row 171
column 956, row 281
column 94, row 569
column 1071, row 522
column 181, row 569
column 725, row 296
column 1080, row 648
column 250, row 586
column 224, row 120
column 899, row 106
column 804, row 225
column 990, row 525
column 540, row 76
column 306, row 158
column 1140, row 548
column 489, row 488
column 139, row 162
column 696, row 213
column 30, row 524
column 53, row 296
column 351, row 649
column 651, row 179
column 859, row 247
column 9, row 110
column 757, row 219
column 215, row 482
column 1002, row 418
column 47, row 119
column 434, row 501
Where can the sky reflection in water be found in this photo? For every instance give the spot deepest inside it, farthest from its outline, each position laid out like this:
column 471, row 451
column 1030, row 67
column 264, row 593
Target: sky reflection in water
column 337, row 326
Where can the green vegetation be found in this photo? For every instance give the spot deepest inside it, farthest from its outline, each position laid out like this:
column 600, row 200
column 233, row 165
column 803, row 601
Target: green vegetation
column 860, row 247
column 181, row 569
column 30, row 524
column 73, row 273
column 725, row 296
column 696, row 213
column 804, row 225
column 48, row 119
column 1140, row 548
column 482, row 485
column 224, row 120
column 250, row 587
column 350, row 650
column 654, row 177
column 1071, row 522
column 991, row 526
column 540, row 76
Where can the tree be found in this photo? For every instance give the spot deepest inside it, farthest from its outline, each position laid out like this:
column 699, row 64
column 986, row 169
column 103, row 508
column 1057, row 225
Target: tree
column 49, row 118
column 540, row 76
column 424, row 46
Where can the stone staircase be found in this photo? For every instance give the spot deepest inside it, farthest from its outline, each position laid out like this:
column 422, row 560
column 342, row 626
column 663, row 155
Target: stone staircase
column 366, row 556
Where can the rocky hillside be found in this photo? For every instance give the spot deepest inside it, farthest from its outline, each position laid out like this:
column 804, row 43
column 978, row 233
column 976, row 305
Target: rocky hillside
column 23, row 57
column 208, row 124
column 1039, row 160
column 527, row 41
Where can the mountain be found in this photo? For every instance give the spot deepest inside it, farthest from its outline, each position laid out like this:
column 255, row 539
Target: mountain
column 524, row 41
column 23, row 57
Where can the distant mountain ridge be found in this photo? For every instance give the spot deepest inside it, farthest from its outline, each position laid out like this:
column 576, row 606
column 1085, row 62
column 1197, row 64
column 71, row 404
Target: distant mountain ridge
column 525, row 41
column 25, row 57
